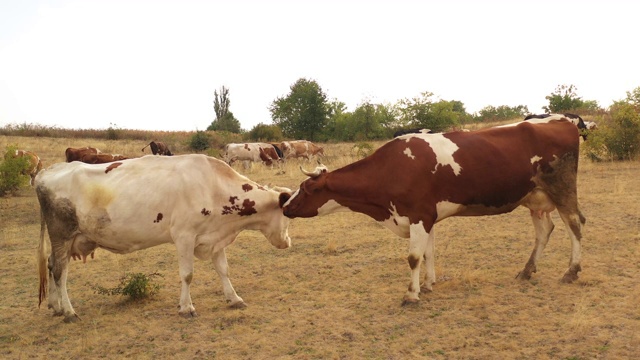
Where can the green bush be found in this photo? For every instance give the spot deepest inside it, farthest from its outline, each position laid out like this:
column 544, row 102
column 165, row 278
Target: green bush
column 262, row 132
column 13, row 172
column 135, row 285
column 112, row 132
column 362, row 149
column 199, row 141
column 617, row 137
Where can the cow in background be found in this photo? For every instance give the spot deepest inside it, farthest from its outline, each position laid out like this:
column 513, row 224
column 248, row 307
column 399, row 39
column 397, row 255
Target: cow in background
column 102, row 158
column 301, row 149
column 575, row 119
column 75, row 154
column 249, row 153
column 140, row 203
column 35, row 164
column 158, row 148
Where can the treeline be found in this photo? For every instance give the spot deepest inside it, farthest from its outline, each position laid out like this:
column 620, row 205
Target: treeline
column 306, row 113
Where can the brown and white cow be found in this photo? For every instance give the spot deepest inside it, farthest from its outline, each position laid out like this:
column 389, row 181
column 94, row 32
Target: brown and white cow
column 139, row 203
column 575, row 119
column 101, row 158
column 251, row 152
column 35, row 164
column 301, row 149
column 414, row 181
column 158, row 148
column 76, row 154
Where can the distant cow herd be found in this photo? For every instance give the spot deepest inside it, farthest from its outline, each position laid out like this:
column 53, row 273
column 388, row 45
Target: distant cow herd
column 408, row 185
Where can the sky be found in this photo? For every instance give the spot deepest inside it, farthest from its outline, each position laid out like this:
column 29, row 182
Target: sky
column 154, row 65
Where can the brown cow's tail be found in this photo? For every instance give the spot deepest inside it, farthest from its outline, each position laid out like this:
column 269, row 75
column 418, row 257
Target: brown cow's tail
column 145, row 147
column 42, row 261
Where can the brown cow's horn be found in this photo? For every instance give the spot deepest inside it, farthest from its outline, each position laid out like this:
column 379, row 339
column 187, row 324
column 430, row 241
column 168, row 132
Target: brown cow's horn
column 319, row 170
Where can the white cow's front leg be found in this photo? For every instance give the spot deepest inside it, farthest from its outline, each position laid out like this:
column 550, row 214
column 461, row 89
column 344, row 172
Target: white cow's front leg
column 418, row 245
column 185, row 247
column 222, row 268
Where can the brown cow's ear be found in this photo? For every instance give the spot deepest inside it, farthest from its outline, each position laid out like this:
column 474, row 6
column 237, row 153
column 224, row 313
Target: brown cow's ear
column 284, row 197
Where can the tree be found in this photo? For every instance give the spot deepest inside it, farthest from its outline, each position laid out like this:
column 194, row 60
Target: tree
column 262, row 132
column 502, row 112
column 563, row 99
column 303, row 113
column 424, row 112
column 224, row 121
column 633, row 97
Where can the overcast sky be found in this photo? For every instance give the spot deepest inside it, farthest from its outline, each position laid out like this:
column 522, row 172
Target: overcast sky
column 154, row 65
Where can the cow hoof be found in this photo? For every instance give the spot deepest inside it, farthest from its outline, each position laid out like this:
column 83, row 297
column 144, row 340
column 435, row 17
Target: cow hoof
column 426, row 289
column 189, row 314
column 410, row 302
column 238, row 305
column 569, row 278
column 523, row 276
column 71, row 318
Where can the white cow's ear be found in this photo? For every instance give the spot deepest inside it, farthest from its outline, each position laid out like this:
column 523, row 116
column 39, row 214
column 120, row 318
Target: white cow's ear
column 284, row 197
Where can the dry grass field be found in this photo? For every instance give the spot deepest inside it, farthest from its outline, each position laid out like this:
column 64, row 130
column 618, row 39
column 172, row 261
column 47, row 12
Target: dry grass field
column 337, row 292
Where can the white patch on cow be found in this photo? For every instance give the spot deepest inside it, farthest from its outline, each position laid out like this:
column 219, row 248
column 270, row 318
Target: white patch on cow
column 446, row 209
column 444, row 150
column 535, row 159
column 397, row 223
column 330, row 207
column 407, row 152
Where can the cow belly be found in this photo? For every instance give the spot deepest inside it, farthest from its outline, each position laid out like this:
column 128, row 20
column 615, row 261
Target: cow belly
column 122, row 239
column 482, row 210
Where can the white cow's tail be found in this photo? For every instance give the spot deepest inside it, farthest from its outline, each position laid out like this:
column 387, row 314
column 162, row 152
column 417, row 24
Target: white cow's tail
column 42, row 261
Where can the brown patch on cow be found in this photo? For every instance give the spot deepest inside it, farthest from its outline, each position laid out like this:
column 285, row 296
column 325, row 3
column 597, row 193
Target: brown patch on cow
column 246, row 147
column 112, row 166
column 205, row 212
column 413, row 261
column 247, row 187
column 158, row 218
column 248, row 208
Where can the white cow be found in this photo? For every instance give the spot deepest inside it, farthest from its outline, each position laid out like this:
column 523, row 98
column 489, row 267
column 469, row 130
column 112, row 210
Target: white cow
column 196, row 202
column 249, row 153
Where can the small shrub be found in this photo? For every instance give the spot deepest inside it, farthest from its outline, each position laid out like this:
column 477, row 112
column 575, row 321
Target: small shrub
column 112, row 132
column 199, row 141
column 135, row 285
column 13, row 172
column 362, row 149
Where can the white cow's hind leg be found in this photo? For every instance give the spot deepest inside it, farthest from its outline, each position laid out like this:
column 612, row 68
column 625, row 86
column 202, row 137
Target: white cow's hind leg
column 185, row 247
column 543, row 227
column 69, row 314
column 54, row 294
column 418, row 244
column 222, row 268
column 58, row 296
column 429, row 260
